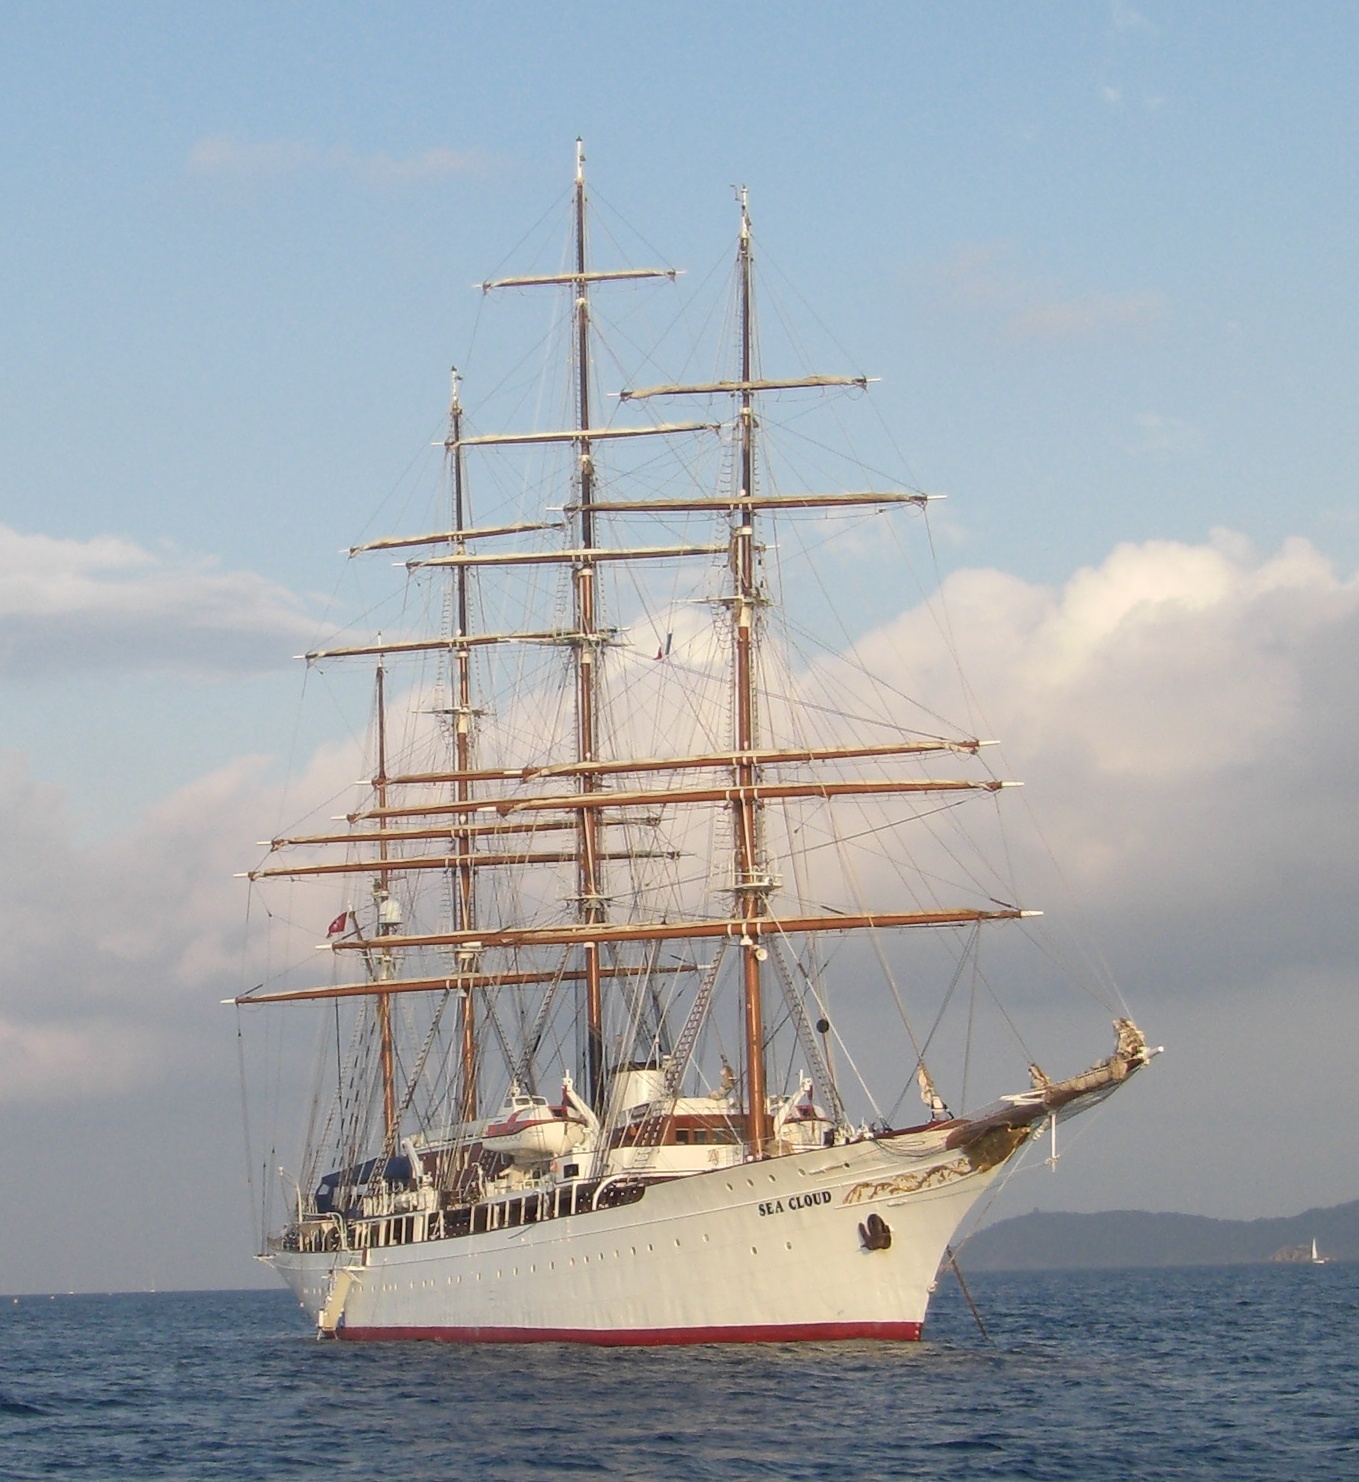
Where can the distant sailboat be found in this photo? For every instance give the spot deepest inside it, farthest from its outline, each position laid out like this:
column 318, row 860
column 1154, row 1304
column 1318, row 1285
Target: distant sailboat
column 1317, row 1260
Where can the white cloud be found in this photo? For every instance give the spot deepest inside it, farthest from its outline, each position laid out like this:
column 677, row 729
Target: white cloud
column 1158, row 434
column 1182, row 716
column 41, row 1062
column 983, row 281
column 107, row 603
column 223, row 155
column 1128, row 34
column 105, row 940
column 1084, row 314
column 1126, row 21
column 121, row 951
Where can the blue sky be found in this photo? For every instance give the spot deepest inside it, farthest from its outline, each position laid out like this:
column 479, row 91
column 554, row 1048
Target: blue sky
column 239, row 244
column 1098, row 255
column 1101, row 256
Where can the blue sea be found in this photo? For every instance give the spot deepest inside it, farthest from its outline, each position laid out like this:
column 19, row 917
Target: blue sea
column 1241, row 1373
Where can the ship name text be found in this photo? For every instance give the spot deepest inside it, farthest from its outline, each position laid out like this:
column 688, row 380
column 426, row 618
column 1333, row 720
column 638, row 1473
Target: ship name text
column 797, row 1201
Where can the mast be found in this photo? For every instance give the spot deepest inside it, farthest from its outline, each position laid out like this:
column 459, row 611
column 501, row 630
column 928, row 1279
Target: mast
column 750, row 884
column 464, row 905
column 591, row 899
column 388, row 923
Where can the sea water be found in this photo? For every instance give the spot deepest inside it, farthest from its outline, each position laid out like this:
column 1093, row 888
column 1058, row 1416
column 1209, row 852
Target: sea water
column 1242, row 1373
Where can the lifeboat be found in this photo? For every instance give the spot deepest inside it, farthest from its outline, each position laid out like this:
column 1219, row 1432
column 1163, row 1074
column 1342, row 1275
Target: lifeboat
column 800, row 1123
column 529, row 1130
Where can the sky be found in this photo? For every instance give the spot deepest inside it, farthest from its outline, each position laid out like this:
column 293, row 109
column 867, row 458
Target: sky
column 1100, row 257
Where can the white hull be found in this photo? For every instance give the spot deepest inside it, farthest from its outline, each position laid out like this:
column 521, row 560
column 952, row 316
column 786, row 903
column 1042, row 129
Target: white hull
column 764, row 1251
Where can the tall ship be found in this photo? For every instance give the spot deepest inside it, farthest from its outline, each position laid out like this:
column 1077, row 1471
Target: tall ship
column 651, row 875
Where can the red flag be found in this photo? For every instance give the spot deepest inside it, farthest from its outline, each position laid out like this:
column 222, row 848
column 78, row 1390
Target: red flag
column 338, row 924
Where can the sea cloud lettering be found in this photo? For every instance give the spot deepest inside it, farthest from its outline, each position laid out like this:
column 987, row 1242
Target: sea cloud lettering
column 798, row 1201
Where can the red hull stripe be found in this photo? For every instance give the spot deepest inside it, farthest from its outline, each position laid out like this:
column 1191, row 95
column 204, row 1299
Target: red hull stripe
column 811, row 1332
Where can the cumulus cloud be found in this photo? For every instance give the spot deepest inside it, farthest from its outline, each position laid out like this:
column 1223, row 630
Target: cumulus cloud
column 983, row 281
column 106, row 939
column 223, row 155
column 70, row 605
column 1182, row 716
column 121, row 950
column 42, row 1062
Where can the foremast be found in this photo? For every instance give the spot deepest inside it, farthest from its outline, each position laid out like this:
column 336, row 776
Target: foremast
column 382, row 963
column 465, row 840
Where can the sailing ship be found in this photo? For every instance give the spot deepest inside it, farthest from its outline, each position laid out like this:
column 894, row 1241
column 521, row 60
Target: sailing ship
column 604, row 958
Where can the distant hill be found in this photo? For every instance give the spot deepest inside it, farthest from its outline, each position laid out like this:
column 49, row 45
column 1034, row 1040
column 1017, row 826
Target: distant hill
column 1130, row 1237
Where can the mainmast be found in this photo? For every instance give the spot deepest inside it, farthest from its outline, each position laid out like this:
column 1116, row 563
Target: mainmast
column 590, row 895
column 464, row 901
column 751, row 883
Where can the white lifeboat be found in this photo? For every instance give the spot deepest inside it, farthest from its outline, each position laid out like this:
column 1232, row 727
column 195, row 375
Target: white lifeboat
column 528, row 1130
column 800, row 1123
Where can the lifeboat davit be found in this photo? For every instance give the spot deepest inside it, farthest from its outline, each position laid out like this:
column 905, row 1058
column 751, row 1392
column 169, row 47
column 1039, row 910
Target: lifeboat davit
column 528, row 1130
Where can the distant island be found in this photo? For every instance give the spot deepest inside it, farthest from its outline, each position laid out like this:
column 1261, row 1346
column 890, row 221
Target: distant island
column 1130, row 1237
